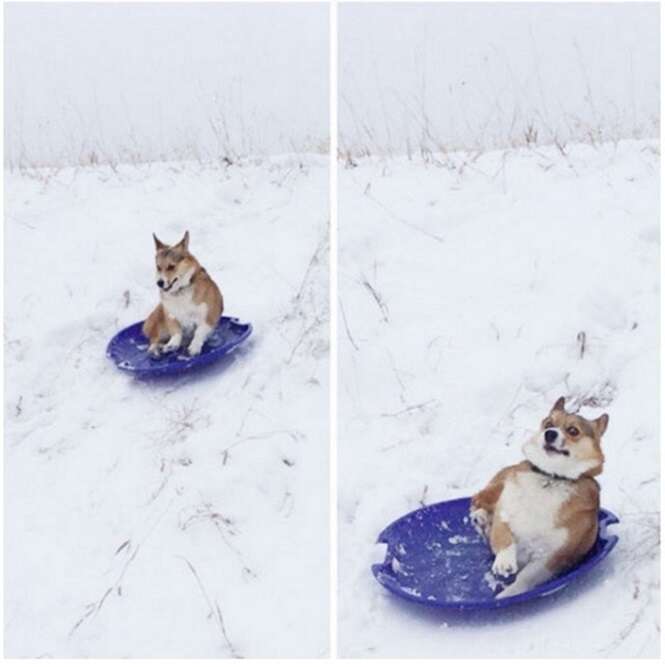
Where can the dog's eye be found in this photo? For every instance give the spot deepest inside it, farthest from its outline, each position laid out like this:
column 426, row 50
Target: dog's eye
column 572, row 431
column 170, row 267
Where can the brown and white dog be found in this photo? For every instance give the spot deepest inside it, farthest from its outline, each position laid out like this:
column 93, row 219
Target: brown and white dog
column 541, row 516
column 190, row 301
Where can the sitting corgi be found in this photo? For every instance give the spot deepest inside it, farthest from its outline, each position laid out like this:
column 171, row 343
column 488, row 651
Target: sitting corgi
column 541, row 516
column 190, row 301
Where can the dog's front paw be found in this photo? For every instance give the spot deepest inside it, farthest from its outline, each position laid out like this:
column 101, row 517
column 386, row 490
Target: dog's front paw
column 505, row 562
column 194, row 350
column 480, row 519
column 170, row 347
column 155, row 350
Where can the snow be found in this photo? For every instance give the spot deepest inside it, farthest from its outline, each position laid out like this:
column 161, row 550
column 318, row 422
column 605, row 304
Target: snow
column 184, row 517
column 474, row 291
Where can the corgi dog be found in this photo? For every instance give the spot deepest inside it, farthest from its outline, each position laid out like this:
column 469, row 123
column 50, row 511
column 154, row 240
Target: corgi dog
column 540, row 516
column 190, row 301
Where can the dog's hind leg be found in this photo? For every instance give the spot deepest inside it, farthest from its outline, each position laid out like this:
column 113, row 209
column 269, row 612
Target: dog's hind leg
column 154, row 329
column 175, row 334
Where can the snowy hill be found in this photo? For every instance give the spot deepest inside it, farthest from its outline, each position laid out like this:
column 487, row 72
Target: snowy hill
column 185, row 517
column 475, row 290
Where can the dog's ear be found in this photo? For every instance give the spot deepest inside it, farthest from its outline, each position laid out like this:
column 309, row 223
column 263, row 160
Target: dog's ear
column 184, row 243
column 158, row 244
column 559, row 405
column 600, row 424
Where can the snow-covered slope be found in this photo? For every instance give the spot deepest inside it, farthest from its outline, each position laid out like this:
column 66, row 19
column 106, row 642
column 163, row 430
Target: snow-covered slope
column 475, row 290
column 185, row 518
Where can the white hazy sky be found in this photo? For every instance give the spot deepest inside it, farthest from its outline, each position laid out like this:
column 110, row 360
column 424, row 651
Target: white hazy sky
column 478, row 74
column 144, row 81
column 159, row 81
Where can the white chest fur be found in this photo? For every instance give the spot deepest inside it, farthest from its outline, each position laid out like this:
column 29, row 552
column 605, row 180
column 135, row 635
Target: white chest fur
column 530, row 504
column 182, row 307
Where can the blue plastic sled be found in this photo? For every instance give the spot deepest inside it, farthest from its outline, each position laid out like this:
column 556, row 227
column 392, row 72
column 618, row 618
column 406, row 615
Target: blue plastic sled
column 435, row 556
column 128, row 349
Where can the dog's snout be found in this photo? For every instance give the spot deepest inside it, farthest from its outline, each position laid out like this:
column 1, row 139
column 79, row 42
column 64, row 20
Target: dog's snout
column 160, row 283
column 550, row 436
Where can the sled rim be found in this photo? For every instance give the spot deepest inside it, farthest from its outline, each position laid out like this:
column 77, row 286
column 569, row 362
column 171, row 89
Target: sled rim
column 389, row 579
column 131, row 339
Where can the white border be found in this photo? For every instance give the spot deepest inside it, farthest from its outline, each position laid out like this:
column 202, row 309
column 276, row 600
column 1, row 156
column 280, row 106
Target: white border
column 333, row 360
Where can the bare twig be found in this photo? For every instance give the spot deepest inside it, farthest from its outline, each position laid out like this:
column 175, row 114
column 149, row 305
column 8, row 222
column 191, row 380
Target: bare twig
column 581, row 339
column 409, row 408
column 346, row 326
column 377, row 297
column 215, row 611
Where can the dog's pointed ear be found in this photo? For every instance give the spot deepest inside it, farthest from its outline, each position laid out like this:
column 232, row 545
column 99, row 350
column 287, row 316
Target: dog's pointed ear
column 158, row 244
column 184, row 243
column 600, row 424
column 560, row 404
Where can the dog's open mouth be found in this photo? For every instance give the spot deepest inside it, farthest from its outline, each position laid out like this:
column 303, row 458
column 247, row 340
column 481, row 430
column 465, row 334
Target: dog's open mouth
column 550, row 449
column 170, row 285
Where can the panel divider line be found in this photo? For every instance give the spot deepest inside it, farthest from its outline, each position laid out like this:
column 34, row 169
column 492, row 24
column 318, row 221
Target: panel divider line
column 333, row 388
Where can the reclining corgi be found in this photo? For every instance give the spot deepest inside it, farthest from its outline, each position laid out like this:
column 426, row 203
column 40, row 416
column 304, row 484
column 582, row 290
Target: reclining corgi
column 190, row 301
column 541, row 516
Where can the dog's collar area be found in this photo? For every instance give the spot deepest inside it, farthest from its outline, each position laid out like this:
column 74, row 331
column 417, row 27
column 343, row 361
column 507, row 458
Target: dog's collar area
column 551, row 475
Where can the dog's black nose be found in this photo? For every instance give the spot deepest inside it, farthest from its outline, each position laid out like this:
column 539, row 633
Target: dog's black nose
column 160, row 283
column 550, row 436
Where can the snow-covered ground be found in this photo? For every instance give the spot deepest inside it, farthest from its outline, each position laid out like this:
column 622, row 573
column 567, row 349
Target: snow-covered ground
column 475, row 290
column 184, row 518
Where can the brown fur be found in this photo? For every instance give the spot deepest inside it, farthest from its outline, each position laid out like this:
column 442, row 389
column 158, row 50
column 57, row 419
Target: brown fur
column 587, row 440
column 579, row 513
column 488, row 498
column 172, row 261
column 579, row 516
column 158, row 328
column 500, row 536
column 206, row 290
